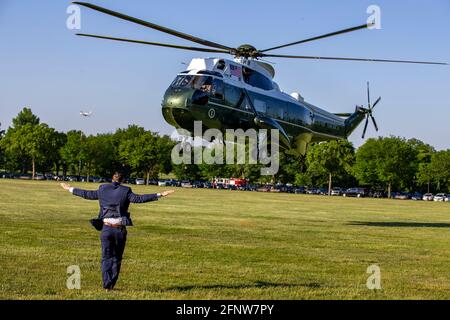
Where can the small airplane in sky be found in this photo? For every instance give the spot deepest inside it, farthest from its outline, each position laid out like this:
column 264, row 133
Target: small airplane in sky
column 86, row 114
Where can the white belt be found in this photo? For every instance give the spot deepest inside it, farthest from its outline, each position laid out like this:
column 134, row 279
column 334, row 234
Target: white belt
column 114, row 221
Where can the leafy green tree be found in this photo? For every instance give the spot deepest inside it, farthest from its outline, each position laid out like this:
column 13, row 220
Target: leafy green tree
column 424, row 153
column 424, row 175
column 24, row 117
column 59, row 141
column 104, row 157
column 2, row 153
column 141, row 152
column 291, row 164
column 31, row 141
column 72, row 152
column 164, row 146
column 440, row 170
column 14, row 157
column 330, row 159
column 390, row 162
column 187, row 171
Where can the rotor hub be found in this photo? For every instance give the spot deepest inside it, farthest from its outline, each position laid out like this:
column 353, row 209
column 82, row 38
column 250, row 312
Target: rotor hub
column 247, row 51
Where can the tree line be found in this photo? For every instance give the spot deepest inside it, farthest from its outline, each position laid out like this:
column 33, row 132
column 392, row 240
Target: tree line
column 384, row 163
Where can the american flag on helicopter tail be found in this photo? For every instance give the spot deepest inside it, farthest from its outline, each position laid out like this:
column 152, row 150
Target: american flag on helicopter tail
column 235, row 70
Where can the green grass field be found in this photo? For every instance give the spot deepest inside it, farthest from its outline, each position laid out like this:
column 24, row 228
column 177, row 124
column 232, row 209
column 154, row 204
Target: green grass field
column 213, row 244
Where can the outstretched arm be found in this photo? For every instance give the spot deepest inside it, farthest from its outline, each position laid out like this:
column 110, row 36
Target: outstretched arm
column 136, row 198
column 86, row 194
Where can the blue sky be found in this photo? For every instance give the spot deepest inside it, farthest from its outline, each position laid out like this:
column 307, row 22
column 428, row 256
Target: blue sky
column 45, row 66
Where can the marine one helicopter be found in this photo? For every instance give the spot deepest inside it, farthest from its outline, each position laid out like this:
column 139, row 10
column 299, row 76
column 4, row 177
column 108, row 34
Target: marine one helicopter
column 241, row 93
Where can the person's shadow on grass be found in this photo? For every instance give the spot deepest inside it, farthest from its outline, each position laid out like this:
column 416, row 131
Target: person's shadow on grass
column 394, row 224
column 256, row 285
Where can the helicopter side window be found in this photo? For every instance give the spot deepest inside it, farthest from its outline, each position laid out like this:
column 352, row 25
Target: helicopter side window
column 297, row 114
column 256, row 79
column 260, row 106
column 277, row 109
column 217, row 89
column 232, row 95
column 220, row 65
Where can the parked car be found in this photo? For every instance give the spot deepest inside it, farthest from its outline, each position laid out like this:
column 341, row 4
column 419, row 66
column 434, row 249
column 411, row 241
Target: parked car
column 220, row 186
column 355, row 192
column 337, row 191
column 39, row 176
column 198, row 184
column 440, row 197
column 447, row 199
column 172, row 183
column 312, row 191
column 428, row 197
column 140, row 181
column 265, row 189
column 416, row 196
column 207, row 185
column 6, row 175
column 162, row 183
column 300, row 190
column 402, row 196
column 186, row 184
column 96, row 179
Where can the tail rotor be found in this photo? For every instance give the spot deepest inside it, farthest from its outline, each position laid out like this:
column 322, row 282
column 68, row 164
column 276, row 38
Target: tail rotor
column 369, row 112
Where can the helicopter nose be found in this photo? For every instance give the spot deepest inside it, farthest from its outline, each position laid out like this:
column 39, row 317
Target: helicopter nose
column 176, row 111
column 179, row 118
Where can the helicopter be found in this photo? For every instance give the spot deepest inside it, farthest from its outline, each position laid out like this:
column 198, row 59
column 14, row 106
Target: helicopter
column 240, row 93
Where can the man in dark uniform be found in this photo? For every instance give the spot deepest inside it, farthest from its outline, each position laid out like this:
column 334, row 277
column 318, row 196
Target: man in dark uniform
column 114, row 200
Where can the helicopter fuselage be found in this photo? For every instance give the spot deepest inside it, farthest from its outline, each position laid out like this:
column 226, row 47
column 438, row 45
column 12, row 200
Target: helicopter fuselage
column 240, row 94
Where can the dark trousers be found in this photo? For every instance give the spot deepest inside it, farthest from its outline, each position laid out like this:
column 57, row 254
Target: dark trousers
column 113, row 244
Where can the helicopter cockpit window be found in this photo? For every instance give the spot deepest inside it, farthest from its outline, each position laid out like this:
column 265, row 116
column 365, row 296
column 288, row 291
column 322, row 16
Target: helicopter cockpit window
column 256, row 79
column 181, row 81
column 203, row 83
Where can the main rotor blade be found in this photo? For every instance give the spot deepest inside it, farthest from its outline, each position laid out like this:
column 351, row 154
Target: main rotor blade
column 152, row 43
column 352, row 59
column 374, row 122
column 154, row 26
column 365, row 127
column 376, row 102
column 368, row 95
column 364, row 26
